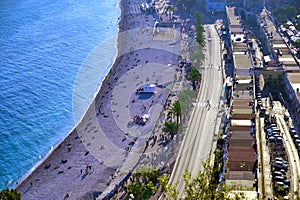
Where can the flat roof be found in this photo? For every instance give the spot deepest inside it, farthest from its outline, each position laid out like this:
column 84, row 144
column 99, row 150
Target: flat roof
column 242, row 73
column 278, row 42
column 242, row 111
column 279, row 46
column 291, row 68
column 244, row 81
column 235, row 154
column 233, row 19
column 236, row 30
column 240, row 135
column 240, row 122
column 240, row 165
column 242, row 76
column 243, row 142
column 240, row 128
column 242, row 94
column 242, row 61
column 296, row 85
column 269, row 26
column 287, row 59
column 294, row 78
column 238, row 177
column 244, row 101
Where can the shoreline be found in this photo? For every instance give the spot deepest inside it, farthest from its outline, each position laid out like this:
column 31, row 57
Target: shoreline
column 85, row 146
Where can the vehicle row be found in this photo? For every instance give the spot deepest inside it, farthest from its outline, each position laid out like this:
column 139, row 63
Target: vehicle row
column 295, row 137
column 278, row 157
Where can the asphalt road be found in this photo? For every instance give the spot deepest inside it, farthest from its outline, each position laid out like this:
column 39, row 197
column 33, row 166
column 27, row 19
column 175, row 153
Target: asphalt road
column 203, row 126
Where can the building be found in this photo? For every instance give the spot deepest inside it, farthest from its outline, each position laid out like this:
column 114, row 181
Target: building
column 149, row 88
column 241, row 165
column 283, row 74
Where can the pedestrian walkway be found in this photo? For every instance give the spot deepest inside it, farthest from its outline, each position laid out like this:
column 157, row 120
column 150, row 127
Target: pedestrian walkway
column 265, row 167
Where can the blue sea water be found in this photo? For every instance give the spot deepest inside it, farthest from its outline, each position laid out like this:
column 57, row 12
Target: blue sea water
column 42, row 47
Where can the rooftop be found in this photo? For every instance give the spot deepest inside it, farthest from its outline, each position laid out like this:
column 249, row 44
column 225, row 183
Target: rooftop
column 242, row 61
column 294, row 79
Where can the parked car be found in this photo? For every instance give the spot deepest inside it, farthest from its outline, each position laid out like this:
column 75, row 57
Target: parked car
column 279, row 178
column 280, row 165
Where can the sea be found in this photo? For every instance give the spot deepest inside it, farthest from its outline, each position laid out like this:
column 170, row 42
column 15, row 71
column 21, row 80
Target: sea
column 46, row 49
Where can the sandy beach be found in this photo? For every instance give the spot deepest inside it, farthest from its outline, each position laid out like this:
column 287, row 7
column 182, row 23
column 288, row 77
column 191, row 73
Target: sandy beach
column 105, row 145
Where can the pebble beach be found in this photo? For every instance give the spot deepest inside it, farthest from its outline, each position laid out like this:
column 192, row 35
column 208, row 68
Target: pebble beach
column 106, row 145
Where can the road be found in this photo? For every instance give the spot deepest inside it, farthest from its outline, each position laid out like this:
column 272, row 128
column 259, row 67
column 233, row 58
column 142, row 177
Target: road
column 203, row 126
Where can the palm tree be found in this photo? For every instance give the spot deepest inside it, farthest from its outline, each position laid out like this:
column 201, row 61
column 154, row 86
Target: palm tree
column 175, row 110
column 199, row 29
column 144, row 183
column 171, row 9
column 172, row 128
column 186, row 98
column 194, row 76
column 148, row 174
column 8, row 194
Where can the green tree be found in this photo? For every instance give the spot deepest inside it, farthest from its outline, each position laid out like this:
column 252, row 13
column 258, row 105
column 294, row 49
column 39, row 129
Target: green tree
column 198, row 57
column 175, row 110
column 140, row 190
column 168, row 191
column 297, row 25
column 144, row 183
column 186, row 98
column 199, row 187
column 194, row 76
column 148, row 174
column 171, row 9
column 199, row 29
column 11, row 194
column 297, row 43
column 282, row 14
column 243, row 15
column 171, row 128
